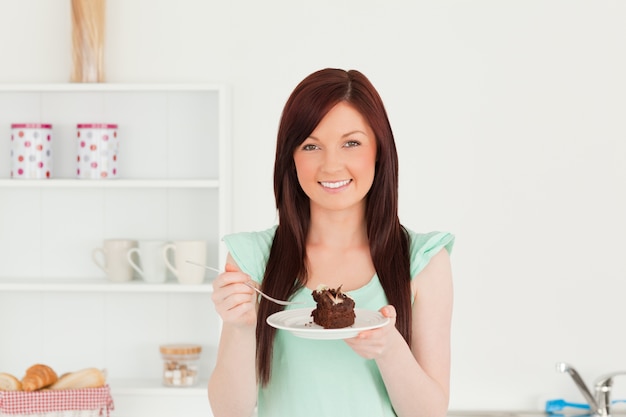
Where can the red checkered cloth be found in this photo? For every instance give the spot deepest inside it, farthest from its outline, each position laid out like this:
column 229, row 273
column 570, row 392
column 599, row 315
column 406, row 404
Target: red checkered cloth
column 49, row 401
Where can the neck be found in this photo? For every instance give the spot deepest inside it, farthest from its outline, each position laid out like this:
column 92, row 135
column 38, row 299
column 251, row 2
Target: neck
column 340, row 229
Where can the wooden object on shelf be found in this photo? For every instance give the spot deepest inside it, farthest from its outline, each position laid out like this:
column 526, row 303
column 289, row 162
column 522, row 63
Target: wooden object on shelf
column 88, row 31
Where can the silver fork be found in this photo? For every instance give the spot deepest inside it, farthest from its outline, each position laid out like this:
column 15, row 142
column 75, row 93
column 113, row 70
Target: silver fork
column 262, row 294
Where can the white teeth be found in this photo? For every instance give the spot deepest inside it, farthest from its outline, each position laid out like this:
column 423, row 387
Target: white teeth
column 334, row 184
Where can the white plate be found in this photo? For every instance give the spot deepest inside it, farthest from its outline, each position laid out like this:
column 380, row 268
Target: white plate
column 300, row 323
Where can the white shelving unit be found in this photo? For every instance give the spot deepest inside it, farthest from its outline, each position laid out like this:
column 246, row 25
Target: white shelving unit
column 56, row 306
column 101, row 285
column 69, row 183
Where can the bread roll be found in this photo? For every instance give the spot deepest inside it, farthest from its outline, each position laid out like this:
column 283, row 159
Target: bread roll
column 85, row 378
column 37, row 377
column 9, row 383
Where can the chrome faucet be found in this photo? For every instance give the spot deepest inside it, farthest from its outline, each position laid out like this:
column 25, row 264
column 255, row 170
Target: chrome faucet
column 600, row 405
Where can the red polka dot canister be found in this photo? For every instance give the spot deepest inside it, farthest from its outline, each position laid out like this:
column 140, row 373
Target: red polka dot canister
column 31, row 150
column 97, row 151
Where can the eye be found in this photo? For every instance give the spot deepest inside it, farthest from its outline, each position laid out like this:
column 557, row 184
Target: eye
column 352, row 143
column 309, row 147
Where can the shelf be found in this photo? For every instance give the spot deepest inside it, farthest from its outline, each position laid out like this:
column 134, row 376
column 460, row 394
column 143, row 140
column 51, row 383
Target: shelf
column 115, row 183
column 107, row 87
column 153, row 387
column 99, row 285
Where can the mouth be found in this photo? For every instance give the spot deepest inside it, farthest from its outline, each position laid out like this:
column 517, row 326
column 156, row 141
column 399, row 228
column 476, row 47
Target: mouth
column 334, row 184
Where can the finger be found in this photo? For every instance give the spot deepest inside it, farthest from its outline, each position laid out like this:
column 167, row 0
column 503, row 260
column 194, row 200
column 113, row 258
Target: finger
column 233, row 302
column 236, row 300
column 231, row 268
column 228, row 282
column 228, row 278
column 240, row 314
column 238, row 311
column 229, row 290
column 388, row 311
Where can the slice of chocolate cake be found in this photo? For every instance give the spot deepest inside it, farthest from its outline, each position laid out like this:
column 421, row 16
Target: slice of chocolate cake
column 335, row 309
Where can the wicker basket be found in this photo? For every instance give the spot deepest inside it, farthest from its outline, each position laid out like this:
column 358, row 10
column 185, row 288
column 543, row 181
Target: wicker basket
column 86, row 402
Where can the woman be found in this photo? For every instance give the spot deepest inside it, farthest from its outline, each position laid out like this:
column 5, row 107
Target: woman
column 336, row 189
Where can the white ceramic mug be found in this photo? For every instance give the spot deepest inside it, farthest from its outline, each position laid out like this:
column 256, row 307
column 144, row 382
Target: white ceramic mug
column 187, row 250
column 112, row 258
column 150, row 256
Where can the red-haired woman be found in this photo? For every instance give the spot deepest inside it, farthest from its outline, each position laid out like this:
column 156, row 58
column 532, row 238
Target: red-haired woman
column 336, row 189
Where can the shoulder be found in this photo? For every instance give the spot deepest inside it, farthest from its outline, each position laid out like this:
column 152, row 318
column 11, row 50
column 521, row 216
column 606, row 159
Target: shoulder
column 263, row 237
column 424, row 246
column 428, row 241
column 250, row 250
column 431, row 269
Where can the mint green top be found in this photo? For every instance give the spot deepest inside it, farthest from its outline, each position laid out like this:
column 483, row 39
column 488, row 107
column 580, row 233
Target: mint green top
column 324, row 377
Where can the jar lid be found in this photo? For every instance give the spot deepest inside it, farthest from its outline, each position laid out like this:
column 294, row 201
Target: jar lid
column 180, row 349
column 31, row 126
column 96, row 126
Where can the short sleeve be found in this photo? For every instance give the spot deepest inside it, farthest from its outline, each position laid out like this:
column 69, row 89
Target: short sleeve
column 426, row 245
column 251, row 250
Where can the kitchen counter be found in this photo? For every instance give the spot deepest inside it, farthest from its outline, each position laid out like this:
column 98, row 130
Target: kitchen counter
column 523, row 413
column 497, row 413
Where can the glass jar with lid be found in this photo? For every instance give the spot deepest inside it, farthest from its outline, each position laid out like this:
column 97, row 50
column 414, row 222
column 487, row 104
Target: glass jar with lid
column 180, row 368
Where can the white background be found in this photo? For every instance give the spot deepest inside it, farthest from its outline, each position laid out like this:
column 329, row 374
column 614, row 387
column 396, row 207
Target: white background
column 509, row 119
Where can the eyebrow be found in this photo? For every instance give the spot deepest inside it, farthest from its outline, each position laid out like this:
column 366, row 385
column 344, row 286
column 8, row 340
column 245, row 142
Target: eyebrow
column 344, row 135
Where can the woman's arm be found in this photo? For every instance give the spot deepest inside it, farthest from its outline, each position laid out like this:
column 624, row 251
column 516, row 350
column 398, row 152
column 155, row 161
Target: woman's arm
column 417, row 378
column 232, row 386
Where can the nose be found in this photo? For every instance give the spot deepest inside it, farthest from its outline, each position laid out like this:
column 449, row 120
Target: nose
column 332, row 161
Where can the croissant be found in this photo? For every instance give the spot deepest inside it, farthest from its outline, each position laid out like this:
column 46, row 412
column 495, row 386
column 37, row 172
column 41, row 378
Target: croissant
column 9, row 383
column 85, row 378
column 37, row 377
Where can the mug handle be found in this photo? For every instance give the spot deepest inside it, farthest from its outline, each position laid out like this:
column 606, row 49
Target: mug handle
column 97, row 261
column 129, row 256
column 169, row 266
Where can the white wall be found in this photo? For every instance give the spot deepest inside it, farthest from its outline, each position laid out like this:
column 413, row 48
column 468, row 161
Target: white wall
column 509, row 118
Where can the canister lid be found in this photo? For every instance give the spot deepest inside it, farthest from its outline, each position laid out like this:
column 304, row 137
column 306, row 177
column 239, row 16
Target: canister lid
column 31, row 126
column 180, row 349
column 96, row 126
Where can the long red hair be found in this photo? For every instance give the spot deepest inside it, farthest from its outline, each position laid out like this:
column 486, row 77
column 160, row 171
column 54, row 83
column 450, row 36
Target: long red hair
column 285, row 271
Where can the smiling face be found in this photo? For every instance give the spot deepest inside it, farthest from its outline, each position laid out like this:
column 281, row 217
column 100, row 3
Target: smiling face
column 336, row 163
